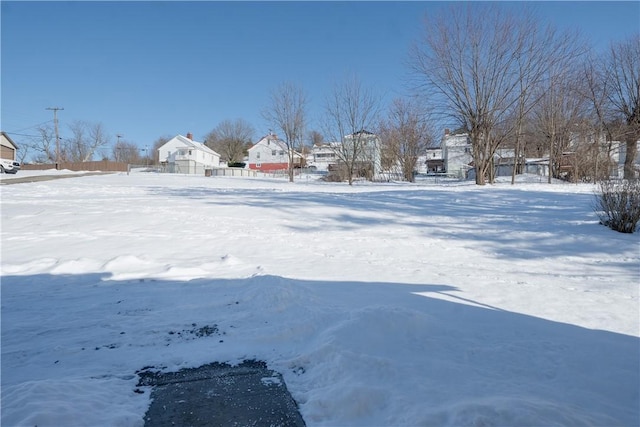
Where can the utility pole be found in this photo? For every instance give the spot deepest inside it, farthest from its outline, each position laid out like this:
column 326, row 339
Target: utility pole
column 118, row 136
column 55, row 122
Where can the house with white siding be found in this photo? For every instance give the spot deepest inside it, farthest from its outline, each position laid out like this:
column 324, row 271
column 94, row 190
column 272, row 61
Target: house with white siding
column 432, row 162
column 457, row 153
column 370, row 149
column 181, row 154
column 271, row 154
column 322, row 155
column 619, row 155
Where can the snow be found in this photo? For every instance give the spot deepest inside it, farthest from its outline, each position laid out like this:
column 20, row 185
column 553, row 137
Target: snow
column 381, row 304
column 46, row 172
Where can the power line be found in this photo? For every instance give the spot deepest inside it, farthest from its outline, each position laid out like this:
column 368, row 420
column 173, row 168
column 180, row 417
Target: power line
column 23, row 134
column 28, row 127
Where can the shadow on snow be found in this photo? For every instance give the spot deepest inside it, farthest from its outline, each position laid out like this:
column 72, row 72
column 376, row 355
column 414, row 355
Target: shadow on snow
column 451, row 351
column 509, row 222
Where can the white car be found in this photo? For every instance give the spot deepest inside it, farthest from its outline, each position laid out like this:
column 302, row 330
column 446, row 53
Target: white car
column 9, row 166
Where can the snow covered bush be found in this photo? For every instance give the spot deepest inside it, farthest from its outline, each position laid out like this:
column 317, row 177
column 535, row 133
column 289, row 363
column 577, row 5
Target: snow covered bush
column 618, row 204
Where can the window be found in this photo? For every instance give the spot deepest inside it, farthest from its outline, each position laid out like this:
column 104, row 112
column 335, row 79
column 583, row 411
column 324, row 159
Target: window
column 273, row 152
column 258, row 155
column 282, row 152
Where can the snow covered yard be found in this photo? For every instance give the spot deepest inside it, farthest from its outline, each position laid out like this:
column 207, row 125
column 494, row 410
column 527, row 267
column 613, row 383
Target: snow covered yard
column 380, row 304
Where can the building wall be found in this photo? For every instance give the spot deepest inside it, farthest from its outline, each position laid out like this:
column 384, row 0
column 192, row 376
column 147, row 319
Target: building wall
column 191, row 154
column 457, row 153
column 183, row 155
column 370, row 150
column 269, row 167
column 167, row 150
column 7, row 153
column 269, row 154
column 7, row 149
column 322, row 156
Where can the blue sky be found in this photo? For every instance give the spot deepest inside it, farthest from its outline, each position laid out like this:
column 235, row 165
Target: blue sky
column 149, row 69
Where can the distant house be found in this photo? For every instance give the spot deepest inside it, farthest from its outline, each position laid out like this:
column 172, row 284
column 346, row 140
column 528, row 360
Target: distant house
column 181, row 154
column 433, row 161
column 457, row 153
column 619, row 156
column 271, row 154
column 8, row 148
column 370, row 149
column 322, row 155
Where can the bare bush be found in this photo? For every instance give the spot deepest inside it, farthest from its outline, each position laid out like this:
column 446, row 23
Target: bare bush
column 618, row 204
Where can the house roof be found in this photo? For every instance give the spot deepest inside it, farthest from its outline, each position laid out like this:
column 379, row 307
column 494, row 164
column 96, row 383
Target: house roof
column 196, row 145
column 362, row 132
column 271, row 139
column 280, row 144
column 9, row 139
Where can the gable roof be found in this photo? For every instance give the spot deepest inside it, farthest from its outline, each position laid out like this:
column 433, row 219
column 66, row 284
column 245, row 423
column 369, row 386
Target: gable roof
column 188, row 143
column 6, row 137
column 270, row 138
column 280, row 144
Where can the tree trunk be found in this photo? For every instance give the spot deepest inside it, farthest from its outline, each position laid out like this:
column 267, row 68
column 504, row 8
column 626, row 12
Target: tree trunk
column 480, row 174
column 629, row 160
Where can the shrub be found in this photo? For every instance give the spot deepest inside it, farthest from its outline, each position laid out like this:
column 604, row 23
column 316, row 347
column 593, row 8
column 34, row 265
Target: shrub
column 332, row 176
column 236, row 164
column 618, row 204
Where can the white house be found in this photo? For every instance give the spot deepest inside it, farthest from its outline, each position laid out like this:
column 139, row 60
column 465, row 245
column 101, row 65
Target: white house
column 619, row 155
column 323, row 155
column 371, row 149
column 432, row 162
column 271, row 154
column 181, row 154
column 457, row 153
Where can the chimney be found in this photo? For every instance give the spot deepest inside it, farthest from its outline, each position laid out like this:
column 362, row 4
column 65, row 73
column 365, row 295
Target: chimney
column 446, row 131
column 190, row 136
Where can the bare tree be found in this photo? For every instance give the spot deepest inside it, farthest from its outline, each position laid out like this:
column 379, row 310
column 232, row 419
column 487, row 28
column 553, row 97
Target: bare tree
column 86, row 138
column 350, row 110
column 97, row 138
column 532, row 62
column 478, row 62
column 157, row 144
column 315, row 138
column 622, row 72
column 288, row 113
column 126, row 152
column 405, row 135
column 556, row 118
column 230, row 138
column 44, row 145
column 23, row 152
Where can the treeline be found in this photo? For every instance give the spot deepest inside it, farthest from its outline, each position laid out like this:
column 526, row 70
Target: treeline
column 499, row 74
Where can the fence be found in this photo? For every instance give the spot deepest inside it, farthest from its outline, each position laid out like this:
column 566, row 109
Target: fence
column 233, row 172
column 102, row 165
